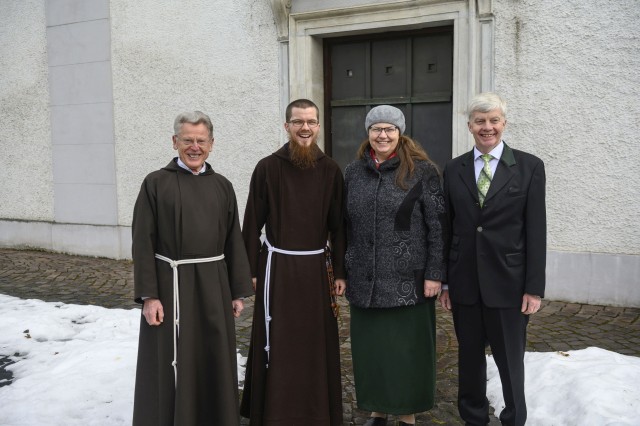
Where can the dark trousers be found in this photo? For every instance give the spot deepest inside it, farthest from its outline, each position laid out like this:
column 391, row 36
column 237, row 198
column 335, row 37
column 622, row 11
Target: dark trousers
column 506, row 332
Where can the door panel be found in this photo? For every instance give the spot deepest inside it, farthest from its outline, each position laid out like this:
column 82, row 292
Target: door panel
column 432, row 65
column 348, row 71
column 389, row 68
column 348, row 133
column 434, row 138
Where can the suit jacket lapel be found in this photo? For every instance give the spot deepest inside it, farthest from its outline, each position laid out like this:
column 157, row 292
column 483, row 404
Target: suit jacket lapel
column 468, row 174
column 504, row 172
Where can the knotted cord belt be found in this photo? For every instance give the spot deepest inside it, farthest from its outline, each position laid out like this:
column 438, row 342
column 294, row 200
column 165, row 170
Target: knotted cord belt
column 267, row 283
column 176, row 301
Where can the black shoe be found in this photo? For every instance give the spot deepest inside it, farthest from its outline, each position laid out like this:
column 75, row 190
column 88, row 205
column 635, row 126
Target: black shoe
column 401, row 423
column 376, row 421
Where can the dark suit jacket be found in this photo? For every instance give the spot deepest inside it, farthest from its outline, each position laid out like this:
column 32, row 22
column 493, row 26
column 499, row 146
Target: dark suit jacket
column 497, row 251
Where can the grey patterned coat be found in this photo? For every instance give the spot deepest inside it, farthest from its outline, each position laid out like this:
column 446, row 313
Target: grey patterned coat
column 395, row 236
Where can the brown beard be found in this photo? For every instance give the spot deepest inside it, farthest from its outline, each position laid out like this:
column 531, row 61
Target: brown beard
column 303, row 157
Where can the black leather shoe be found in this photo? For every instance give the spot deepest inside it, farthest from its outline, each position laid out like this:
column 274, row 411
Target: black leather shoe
column 401, row 423
column 376, row 421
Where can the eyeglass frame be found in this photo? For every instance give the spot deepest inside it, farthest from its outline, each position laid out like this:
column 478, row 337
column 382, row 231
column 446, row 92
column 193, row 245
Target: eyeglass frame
column 312, row 124
column 377, row 131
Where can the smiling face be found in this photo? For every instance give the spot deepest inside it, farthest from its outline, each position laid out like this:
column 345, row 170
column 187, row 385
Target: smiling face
column 487, row 128
column 194, row 143
column 384, row 143
column 303, row 134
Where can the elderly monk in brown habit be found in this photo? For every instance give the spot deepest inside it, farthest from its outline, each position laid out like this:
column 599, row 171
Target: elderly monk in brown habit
column 191, row 273
column 293, row 372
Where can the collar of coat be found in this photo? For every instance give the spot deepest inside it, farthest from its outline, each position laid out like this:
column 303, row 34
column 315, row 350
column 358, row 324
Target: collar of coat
column 173, row 167
column 372, row 154
column 391, row 163
column 502, row 175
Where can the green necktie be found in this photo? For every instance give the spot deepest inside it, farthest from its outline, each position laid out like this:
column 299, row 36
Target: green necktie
column 484, row 180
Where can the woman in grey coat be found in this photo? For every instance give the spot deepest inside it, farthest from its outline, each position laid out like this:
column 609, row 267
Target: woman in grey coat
column 395, row 265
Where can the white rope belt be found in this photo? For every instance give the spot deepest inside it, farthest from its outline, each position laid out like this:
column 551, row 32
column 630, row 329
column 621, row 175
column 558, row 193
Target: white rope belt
column 267, row 284
column 176, row 301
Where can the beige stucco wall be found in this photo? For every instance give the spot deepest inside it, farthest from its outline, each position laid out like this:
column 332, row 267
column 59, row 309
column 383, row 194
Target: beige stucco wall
column 569, row 70
column 26, row 189
column 168, row 57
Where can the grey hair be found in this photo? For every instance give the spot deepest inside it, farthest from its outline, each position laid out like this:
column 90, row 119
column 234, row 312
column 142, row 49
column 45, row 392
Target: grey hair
column 485, row 102
column 195, row 117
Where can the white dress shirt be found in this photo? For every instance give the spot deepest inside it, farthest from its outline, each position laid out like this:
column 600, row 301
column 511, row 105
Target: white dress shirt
column 478, row 162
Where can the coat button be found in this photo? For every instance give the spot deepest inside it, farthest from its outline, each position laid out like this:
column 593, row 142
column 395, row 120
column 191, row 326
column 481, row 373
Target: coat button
column 479, row 229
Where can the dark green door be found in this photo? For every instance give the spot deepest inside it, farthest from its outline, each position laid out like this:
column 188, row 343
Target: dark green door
column 412, row 71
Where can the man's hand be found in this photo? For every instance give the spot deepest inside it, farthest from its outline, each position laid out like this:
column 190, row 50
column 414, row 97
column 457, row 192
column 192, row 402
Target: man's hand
column 153, row 311
column 238, row 307
column 431, row 288
column 445, row 301
column 530, row 304
column 341, row 286
column 253, row 282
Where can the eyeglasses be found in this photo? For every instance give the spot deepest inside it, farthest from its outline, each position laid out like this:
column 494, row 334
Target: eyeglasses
column 190, row 141
column 376, row 131
column 300, row 123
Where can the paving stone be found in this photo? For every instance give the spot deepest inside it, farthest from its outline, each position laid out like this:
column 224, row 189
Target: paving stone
column 559, row 326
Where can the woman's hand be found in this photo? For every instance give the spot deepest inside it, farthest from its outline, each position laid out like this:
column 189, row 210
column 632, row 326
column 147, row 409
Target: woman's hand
column 431, row 288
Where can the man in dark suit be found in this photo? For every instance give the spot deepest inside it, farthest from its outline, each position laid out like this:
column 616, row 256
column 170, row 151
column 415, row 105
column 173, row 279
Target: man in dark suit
column 496, row 273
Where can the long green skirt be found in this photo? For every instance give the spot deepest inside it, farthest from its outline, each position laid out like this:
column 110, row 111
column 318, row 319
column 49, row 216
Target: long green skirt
column 394, row 360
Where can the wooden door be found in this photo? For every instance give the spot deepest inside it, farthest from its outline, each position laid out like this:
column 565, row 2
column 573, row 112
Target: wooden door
column 409, row 70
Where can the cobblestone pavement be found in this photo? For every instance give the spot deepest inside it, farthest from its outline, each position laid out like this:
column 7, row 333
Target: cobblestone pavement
column 559, row 326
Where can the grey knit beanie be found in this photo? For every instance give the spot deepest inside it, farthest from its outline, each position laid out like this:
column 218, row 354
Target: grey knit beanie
column 385, row 114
